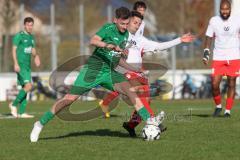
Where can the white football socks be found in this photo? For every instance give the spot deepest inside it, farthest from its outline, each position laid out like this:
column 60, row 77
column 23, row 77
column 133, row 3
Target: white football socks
column 227, row 111
column 219, row 106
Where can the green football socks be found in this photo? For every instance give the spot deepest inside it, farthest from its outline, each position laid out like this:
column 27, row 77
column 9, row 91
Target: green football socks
column 144, row 113
column 46, row 117
column 20, row 97
column 23, row 105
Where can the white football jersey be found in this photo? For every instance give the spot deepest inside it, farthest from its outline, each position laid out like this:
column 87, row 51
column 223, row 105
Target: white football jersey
column 140, row 44
column 227, row 37
column 140, row 30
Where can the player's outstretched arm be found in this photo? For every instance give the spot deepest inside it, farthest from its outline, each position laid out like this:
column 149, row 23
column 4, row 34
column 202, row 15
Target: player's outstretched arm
column 152, row 45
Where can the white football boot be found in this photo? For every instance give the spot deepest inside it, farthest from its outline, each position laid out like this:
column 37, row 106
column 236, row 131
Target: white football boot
column 157, row 120
column 160, row 117
column 13, row 110
column 37, row 128
column 25, row 115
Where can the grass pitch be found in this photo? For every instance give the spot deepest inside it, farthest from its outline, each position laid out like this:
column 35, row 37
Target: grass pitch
column 192, row 134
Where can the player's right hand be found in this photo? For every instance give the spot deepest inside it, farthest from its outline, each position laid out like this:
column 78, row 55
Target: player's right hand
column 16, row 68
column 37, row 61
column 110, row 46
column 206, row 56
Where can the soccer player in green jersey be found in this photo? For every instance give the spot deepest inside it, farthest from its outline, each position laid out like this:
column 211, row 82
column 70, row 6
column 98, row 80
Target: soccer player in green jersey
column 23, row 49
column 99, row 70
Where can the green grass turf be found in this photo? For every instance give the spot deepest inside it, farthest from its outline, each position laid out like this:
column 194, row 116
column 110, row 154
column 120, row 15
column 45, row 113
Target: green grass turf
column 192, row 134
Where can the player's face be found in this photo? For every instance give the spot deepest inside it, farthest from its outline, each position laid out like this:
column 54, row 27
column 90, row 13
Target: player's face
column 28, row 27
column 122, row 24
column 225, row 11
column 141, row 10
column 134, row 24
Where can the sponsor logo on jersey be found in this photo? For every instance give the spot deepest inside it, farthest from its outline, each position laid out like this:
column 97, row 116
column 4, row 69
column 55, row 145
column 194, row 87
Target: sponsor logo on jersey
column 226, row 29
column 114, row 54
column 28, row 50
column 133, row 42
column 115, row 38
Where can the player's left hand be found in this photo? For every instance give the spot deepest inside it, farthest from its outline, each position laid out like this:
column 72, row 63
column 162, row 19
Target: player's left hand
column 187, row 38
column 206, row 56
column 125, row 53
column 37, row 61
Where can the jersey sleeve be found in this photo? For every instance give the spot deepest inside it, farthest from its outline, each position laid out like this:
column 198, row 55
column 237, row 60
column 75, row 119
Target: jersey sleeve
column 103, row 31
column 152, row 45
column 210, row 31
column 16, row 39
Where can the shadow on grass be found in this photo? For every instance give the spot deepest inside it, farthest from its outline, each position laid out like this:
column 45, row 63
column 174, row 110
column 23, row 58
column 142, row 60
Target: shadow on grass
column 112, row 116
column 202, row 115
column 207, row 116
column 6, row 116
column 99, row 132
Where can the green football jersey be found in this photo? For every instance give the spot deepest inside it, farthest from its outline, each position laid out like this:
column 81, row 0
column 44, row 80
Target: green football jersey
column 24, row 43
column 110, row 35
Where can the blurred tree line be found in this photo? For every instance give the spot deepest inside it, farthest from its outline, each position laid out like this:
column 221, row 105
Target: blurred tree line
column 178, row 16
column 181, row 16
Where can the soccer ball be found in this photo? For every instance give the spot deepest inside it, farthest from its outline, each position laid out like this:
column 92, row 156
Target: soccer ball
column 151, row 132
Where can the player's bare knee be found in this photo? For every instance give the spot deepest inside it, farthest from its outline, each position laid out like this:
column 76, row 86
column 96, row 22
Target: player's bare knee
column 122, row 87
column 67, row 100
column 71, row 98
column 28, row 87
column 232, row 86
column 215, row 85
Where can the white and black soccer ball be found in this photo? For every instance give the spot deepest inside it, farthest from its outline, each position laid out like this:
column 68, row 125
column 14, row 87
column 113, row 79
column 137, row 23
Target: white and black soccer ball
column 151, row 132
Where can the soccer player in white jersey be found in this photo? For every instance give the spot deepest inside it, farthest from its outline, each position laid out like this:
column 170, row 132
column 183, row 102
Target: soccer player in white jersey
column 135, row 53
column 225, row 31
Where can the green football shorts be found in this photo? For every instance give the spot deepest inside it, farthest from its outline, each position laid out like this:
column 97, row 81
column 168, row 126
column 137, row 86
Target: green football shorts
column 90, row 77
column 24, row 76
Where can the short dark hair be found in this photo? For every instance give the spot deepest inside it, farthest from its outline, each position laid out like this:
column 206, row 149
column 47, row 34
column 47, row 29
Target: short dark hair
column 139, row 4
column 136, row 14
column 226, row 1
column 28, row 19
column 122, row 13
